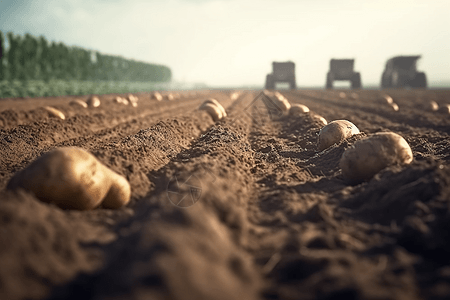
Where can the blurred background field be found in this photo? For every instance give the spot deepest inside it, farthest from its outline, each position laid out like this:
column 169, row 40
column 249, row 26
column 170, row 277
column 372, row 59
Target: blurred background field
column 39, row 88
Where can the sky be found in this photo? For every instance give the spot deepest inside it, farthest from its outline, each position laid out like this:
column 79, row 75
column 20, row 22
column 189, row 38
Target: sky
column 232, row 43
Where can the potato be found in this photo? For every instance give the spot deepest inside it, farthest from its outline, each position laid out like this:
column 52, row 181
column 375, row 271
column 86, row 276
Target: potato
column 120, row 100
column 335, row 132
column 234, row 95
column 216, row 103
column 279, row 96
column 354, row 96
column 298, row 109
column 78, row 102
column 170, row 97
column 93, row 101
column 388, row 99
column 394, row 106
column 72, row 178
column 157, row 96
column 283, row 104
column 445, row 108
column 370, row 155
column 342, row 95
column 433, row 106
column 53, row 112
column 133, row 100
column 213, row 110
column 320, row 119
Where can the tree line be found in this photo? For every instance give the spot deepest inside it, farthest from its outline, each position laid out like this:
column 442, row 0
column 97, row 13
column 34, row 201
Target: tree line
column 31, row 58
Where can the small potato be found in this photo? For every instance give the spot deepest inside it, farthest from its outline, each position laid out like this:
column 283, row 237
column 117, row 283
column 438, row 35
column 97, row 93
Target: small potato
column 342, row 95
column 234, row 96
column 93, row 101
column 433, row 106
column 53, row 112
column 370, row 155
column 213, row 110
column 157, row 96
column 387, row 99
column 394, row 106
column 216, row 103
column 335, row 132
column 283, row 104
column 72, row 178
column 279, row 96
column 445, row 108
column 133, row 100
column 119, row 100
column 79, row 103
column 298, row 109
column 354, row 96
column 320, row 119
column 170, row 97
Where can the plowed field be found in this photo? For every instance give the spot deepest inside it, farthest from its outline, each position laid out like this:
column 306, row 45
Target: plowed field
column 244, row 208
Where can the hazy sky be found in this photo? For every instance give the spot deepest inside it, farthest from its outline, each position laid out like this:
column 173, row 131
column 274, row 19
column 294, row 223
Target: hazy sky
column 233, row 42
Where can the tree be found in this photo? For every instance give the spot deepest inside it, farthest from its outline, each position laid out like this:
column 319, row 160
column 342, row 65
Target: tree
column 44, row 60
column 2, row 53
column 13, row 56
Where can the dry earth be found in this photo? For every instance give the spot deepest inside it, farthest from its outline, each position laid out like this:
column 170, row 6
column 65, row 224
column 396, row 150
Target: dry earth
column 265, row 215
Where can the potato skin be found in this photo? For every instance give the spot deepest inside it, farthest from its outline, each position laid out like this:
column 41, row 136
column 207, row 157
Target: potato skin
column 320, row 119
column 70, row 178
column 216, row 103
column 78, row 102
column 93, row 101
column 284, row 105
column 157, row 96
column 334, row 132
column 298, row 109
column 119, row 192
column 55, row 113
column 445, row 108
column 374, row 153
column 213, row 110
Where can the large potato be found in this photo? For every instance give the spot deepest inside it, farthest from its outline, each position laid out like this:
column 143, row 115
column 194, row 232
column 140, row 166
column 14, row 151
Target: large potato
column 72, row 178
column 298, row 109
column 216, row 103
column 93, row 101
column 214, row 111
column 335, row 132
column 370, row 155
column 53, row 112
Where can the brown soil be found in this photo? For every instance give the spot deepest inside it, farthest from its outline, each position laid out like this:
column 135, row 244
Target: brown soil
column 266, row 215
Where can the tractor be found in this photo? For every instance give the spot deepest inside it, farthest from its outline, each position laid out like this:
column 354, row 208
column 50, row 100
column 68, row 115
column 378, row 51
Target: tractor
column 342, row 69
column 281, row 72
column 401, row 71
